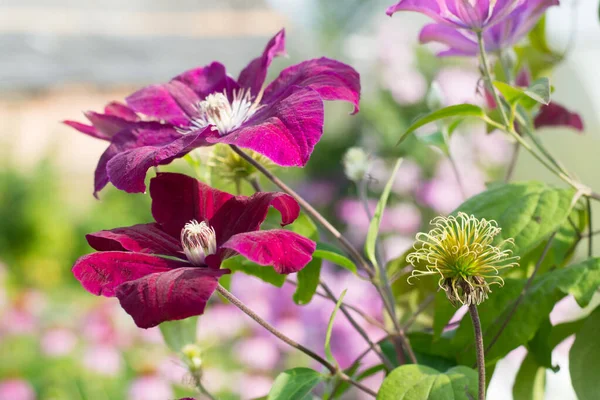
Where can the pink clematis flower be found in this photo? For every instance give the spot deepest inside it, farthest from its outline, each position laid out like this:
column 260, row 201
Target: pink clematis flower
column 204, row 106
column 196, row 228
column 504, row 34
column 475, row 15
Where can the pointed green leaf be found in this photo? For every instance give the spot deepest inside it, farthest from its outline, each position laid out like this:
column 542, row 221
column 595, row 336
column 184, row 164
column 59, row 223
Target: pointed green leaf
column 530, row 383
column 371, row 241
column 461, row 110
column 417, row 382
column 331, row 253
column 294, row 384
column 328, row 352
column 584, row 358
column 539, row 91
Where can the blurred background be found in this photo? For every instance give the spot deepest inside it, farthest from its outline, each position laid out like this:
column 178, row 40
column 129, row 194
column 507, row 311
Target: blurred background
column 59, row 58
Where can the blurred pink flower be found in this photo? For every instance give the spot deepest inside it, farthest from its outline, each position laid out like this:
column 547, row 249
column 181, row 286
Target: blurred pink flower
column 103, row 360
column 150, row 387
column 16, row 389
column 317, row 192
column 459, row 85
column 58, row 342
column 173, row 370
column 258, row 353
column 396, row 245
column 222, row 321
column 407, row 179
column 18, row 322
column 254, row 386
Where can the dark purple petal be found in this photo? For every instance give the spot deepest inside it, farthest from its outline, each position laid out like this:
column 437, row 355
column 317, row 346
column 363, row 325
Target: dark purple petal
column 332, row 79
column 172, row 102
column 108, row 125
column 142, row 238
column 144, row 134
column 245, row 214
column 556, row 115
column 120, row 110
column 286, row 251
column 209, row 79
column 430, row 8
column 177, row 199
column 286, row 130
column 101, row 273
column 168, row 296
column 87, row 129
column 127, row 170
column 253, row 76
column 523, row 78
column 453, row 38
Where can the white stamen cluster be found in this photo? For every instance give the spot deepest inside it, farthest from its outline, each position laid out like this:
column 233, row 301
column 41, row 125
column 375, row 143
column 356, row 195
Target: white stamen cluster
column 216, row 110
column 199, row 241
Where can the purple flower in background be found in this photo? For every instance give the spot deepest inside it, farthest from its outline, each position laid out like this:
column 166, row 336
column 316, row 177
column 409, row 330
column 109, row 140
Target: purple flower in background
column 502, row 35
column 204, row 106
column 475, row 15
column 196, row 227
column 16, row 389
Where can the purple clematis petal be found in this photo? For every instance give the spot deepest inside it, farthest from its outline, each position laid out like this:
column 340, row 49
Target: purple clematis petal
column 101, row 273
column 143, row 134
column 142, row 238
column 286, row 251
column 168, row 296
column 331, row 79
column 457, row 40
column 253, row 76
column 556, row 115
column 127, row 170
column 286, row 131
column 431, row 8
column 209, row 79
column 120, row 110
column 171, row 102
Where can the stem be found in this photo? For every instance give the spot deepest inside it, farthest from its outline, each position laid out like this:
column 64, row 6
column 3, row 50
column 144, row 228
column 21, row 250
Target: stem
column 358, row 328
column 459, row 180
column 200, row 386
column 333, row 369
column 591, row 236
column 253, row 181
column 309, row 209
column 523, row 292
column 513, row 163
column 479, row 348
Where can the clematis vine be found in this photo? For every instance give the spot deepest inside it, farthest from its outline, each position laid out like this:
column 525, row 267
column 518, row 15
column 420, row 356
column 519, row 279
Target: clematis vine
column 475, row 15
column 504, row 34
column 204, row 106
column 167, row 270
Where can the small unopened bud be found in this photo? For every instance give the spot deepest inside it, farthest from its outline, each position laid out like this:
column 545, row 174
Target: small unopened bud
column 435, row 97
column 356, row 164
column 198, row 240
column 192, row 354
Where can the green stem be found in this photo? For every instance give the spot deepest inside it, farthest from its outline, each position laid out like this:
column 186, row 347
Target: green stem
column 590, row 230
column 479, row 349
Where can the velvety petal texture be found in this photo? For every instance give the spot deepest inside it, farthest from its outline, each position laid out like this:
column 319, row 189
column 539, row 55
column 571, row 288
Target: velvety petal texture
column 159, row 274
column 286, row 251
column 204, row 106
column 556, row 115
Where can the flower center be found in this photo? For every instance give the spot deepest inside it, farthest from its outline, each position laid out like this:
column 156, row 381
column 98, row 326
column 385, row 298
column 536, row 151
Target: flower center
column 224, row 116
column 199, row 241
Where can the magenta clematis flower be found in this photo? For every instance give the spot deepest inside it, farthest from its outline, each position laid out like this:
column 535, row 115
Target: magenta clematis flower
column 168, row 270
column 504, row 34
column 475, row 15
column 204, row 106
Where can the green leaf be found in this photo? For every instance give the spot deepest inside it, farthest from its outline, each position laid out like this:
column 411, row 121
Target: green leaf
column 309, row 276
column 264, row 273
column 328, row 352
column 444, row 311
column 528, row 212
column 331, row 253
column 461, row 110
column 179, row 333
column 530, row 382
column 294, row 384
column 371, row 241
column 580, row 280
column 511, row 94
column 417, row 382
column 539, row 91
column 539, row 347
column 435, row 139
column 584, row 358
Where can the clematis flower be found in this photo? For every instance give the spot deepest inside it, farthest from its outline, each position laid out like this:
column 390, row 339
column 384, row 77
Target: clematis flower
column 502, row 35
column 168, row 270
column 460, row 250
column 475, row 15
column 204, row 106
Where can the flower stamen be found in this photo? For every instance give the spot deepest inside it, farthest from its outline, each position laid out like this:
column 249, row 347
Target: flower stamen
column 199, row 241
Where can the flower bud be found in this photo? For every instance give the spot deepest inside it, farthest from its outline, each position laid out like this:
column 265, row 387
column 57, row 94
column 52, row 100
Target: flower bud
column 192, row 353
column 356, row 164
